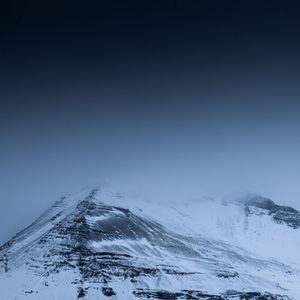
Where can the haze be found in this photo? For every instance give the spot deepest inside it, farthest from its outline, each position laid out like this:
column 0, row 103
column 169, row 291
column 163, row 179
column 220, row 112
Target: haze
column 175, row 99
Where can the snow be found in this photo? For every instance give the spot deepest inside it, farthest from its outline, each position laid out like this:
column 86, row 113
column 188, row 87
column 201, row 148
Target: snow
column 93, row 219
column 123, row 246
column 205, row 237
column 217, row 219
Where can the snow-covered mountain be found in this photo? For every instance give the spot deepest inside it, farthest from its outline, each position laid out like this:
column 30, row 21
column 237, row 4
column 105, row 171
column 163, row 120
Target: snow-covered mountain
column 98, row 245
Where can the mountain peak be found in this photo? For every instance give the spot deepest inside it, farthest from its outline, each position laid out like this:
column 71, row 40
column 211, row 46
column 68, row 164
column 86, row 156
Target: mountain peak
column 100, row 244
column 280, row 213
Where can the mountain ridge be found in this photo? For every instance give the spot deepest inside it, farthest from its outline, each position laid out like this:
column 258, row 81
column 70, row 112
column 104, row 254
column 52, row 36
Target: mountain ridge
column 107, row 245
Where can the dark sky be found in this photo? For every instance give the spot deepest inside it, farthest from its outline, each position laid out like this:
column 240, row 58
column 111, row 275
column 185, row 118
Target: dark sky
column 174, row 97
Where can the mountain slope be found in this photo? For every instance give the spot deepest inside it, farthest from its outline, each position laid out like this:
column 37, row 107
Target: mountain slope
column 98, row 244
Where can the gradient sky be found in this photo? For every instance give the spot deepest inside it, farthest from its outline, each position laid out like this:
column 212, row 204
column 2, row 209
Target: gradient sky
column 174, row 98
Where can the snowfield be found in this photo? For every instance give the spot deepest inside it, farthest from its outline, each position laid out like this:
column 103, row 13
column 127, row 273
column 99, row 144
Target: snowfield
column 101, row 245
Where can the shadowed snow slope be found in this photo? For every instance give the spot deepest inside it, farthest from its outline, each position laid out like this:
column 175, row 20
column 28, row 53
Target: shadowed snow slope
column 98, row 244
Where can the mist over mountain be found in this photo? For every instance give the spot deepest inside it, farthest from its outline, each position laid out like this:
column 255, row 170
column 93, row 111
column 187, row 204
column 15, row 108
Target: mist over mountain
column 98, row 244
column 189, row 109
column 199, row 95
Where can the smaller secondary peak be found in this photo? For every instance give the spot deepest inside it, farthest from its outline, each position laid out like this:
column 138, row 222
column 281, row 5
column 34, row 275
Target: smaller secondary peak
column 281, row 214
column 260, row 201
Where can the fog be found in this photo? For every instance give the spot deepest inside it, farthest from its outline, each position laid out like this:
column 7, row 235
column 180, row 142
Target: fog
column 169, row 101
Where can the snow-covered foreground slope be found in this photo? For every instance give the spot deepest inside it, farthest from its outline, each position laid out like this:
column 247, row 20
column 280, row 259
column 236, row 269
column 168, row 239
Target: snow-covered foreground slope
column 98, row 244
